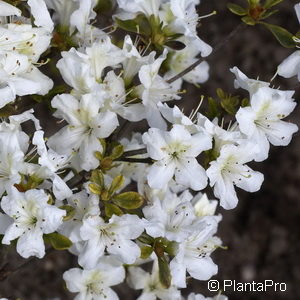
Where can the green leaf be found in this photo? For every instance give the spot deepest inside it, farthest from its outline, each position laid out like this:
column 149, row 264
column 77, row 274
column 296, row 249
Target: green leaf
column 230, row 104
column 7, row 111
column 129, row 200
column 284, row 37
column 138, row 25
column 111, row 209
column 213, row 108
column 117, row 152
column 146, row 251
column 236, row 9
column 248, row 20
column 58, row 241
column 266, row 14
column 70, row 210
column 245, row 102
column 116, row 184
column 95, row 188
column 98, row 178
column 164, row 271
column 270, row 3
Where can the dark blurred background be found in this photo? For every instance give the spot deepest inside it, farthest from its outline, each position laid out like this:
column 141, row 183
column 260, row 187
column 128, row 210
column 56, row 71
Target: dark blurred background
column 263, row 233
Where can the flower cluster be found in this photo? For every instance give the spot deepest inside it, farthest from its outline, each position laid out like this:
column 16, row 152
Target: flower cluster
column 121, row 203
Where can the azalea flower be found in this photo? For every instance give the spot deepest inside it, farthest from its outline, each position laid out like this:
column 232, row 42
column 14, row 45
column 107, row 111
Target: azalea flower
column 193, row 254
column 95, row 283
column 262, row 121
column 153, row 90
column 170, row 217
column 7, row 9
column 150, row 284
column 291, row 65
column 32, row 216
column 87, row 124
column 230, row 169
column 175, row 153
column 52, row 162
column 115, row 237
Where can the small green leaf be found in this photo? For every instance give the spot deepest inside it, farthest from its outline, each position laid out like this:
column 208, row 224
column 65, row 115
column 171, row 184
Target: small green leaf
column 95, row 188
column 116, row 184
column 146, row 251
column 245, row 102
column 213, row 108
column 248, row 20
column 58, row 241
column 111, row 209
column 236, row 9
column 70, row 210
column 270, row 3
column 117, row 152
column 268, row 13
column 129, row 200
column 164, row 271
column 284, row 37
column 98, row 178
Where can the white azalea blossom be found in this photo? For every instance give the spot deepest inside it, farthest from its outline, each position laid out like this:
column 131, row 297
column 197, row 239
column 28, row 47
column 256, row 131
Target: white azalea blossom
column 170, row 217
column 150, row 284
column 115, row 237
column 95, row 283
column 230, row 169
column 291, row 65
column 7, row 9
column 193, row 254
column 32, row 217
column 175, row 153
column 87, row 124
column 262, row 121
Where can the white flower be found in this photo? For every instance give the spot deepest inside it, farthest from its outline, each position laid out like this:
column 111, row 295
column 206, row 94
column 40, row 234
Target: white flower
column 175, row 153
column 170, row 217
column 101, row 55
column 32, row 217
column 262, row 121
column 24, row 39
column 116, row 237
column 193, row 254
column 85, row 205
column 82, row 16
column 86, row 125
column 220, row 136
column 8, row 10
column 94, row 284
column 134, row 60
column 150, row 284
column 153, row 90
column 115, row 96
column 194, row 296
column 203, row 206
column 185, row 17
column 148, row 7
column 230, row 169
column 242, row 81
column 53, row 162
column 41, row 14
column 291, row 65
column 76, row 71
column 11, row 157
column 62, row 10
column 182, row 59
column 19, row 77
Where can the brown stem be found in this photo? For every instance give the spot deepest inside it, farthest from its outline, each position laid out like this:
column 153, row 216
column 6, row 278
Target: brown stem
column 215, row 50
